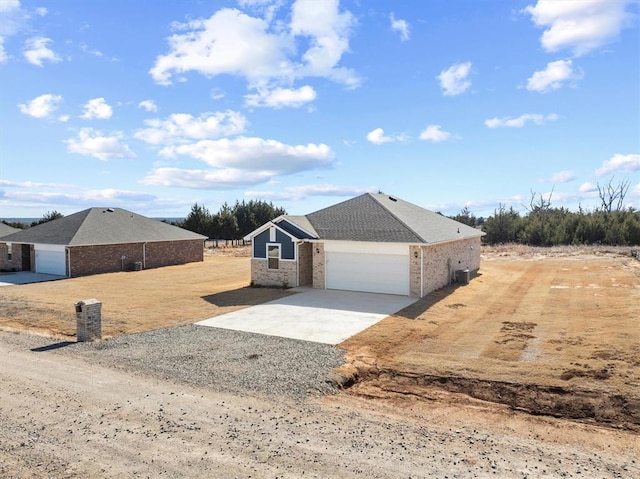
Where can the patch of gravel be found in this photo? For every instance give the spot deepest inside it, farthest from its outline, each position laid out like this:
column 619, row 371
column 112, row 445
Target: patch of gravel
column 220, row 359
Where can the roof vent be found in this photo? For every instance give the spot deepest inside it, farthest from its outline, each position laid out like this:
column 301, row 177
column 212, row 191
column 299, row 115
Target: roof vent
column 110, row 210
column 392, row 198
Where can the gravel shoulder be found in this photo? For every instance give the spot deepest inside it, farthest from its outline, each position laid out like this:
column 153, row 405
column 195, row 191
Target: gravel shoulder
column 121, row 408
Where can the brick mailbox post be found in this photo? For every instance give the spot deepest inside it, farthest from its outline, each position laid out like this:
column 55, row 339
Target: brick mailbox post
column 88, row 320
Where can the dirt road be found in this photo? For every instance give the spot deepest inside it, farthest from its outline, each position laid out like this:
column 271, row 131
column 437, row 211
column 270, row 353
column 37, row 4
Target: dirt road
column 63, row 417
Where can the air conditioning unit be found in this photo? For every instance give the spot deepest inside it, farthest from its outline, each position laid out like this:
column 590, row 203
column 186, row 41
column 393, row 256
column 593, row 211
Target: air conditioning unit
column 137, row 266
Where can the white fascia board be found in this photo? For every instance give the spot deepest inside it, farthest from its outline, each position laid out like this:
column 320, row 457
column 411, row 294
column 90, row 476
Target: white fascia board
column 296, row 225
column 257, row 231
column 265, row 227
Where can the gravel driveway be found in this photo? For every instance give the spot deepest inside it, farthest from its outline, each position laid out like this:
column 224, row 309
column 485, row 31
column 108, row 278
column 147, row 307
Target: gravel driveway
column 217, row 359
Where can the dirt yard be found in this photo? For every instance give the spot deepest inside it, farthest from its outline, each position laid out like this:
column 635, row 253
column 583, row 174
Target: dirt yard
column 546, row 331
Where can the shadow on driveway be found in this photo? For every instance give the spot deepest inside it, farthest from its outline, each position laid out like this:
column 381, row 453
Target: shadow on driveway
column 26, row 277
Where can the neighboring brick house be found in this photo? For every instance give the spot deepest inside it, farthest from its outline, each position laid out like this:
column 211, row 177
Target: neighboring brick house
column 373, row 243
column 99, row 240
column 6, row 250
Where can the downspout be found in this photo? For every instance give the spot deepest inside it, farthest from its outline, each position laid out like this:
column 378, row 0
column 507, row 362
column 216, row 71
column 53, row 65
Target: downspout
column 68, row 256
column 421, row 272
column 297, row 258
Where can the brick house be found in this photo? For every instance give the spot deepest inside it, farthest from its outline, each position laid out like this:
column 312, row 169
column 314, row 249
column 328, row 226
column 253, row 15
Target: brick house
column 99, row 240
column 373, row 243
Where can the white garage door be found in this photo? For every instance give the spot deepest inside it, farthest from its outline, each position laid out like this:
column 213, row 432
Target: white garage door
column 373, row 273
column 50, row 262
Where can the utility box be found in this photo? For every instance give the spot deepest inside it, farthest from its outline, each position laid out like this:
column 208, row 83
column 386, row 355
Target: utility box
column 137, row 266
column 89, row 320
column 463, row 276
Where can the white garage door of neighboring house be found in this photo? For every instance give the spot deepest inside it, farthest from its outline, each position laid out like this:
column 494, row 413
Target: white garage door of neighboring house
column 369, row 272
column 50, row 262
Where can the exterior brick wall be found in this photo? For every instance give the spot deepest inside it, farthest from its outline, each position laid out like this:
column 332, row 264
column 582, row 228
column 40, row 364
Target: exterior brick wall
column 305, row 264
column 441, row 261
column 15, row 263
column 87, row 260
column 414, row 271
column 318, row 265
column 285, row 276
column 166, row 253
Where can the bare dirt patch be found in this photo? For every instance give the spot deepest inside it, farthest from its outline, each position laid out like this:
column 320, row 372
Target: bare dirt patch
column 552, row 332
column 139, row 300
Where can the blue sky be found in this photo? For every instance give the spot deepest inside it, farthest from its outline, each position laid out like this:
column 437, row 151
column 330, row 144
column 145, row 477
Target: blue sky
column 447, row 103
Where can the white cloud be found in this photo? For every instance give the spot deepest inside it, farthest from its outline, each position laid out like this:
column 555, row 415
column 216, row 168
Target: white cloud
column 42, row 11
column 229, row 42
column 553, row 77
column 92, row 142
column 42, row 106
column 182, row 127
column 281, row 97
column 620, row 162
column 297, row 193
column 377, row 137
column 12, row 17
column 588, row 188
column 579, row 26
column 239, row 162
column 636, row 191
column 228, row 178
column 216, row 94
column 97, row 108
column 455, row 79
column 256, row 154
column 261, row 49
column 563, row 177
column 519, row 122
column 400, row 26
column 435, row 134
column 63, row 118
column 4, row 57
column 36, row 51
column 148, row 105
column 328, row 31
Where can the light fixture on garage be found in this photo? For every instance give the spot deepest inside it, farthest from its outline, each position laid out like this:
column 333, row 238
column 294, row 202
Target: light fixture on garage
column 415, row 254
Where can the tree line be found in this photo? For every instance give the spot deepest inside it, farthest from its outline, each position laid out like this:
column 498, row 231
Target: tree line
column 611, row 223
column 230, row 222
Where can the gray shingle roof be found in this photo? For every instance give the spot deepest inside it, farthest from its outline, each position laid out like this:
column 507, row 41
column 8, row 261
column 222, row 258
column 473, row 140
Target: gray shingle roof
column 7, row 230
column 383, row 218
column 101, row 226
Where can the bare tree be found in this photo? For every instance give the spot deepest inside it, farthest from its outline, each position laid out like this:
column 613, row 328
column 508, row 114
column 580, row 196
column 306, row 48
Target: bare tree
column 541, row 204
column 610, row 195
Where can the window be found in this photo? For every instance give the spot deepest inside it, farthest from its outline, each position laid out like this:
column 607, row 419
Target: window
column 9, row 251
column 273, row 256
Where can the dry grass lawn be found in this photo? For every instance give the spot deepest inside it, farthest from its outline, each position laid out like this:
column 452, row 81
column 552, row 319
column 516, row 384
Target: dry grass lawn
column 137, row 301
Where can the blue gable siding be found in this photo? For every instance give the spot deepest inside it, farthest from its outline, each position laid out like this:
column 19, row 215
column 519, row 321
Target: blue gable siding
column 295, row 231
column 287, row 246
column 260, row 244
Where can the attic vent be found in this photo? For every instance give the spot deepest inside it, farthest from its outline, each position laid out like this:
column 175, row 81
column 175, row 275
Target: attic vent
column 392, row 198
column 110, row 210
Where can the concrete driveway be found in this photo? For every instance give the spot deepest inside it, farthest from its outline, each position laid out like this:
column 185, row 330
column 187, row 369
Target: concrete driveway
column 318, row 315
column 25, row 277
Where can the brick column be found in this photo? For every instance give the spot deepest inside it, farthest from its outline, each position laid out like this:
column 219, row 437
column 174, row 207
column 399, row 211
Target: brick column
column 88, row 320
